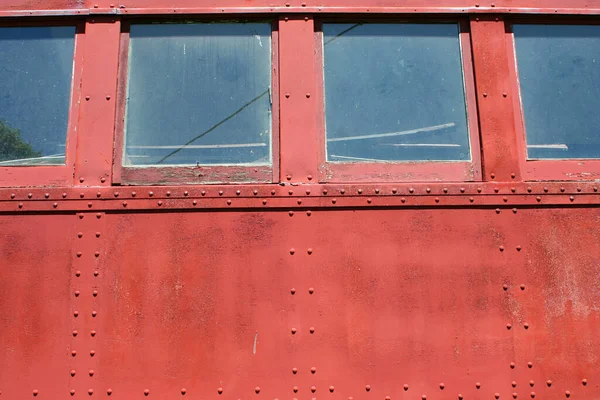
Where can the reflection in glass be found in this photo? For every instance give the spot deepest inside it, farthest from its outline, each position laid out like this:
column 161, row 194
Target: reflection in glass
column 35, row 91
column 394, row 92
column 559, row 74
column 199, row 94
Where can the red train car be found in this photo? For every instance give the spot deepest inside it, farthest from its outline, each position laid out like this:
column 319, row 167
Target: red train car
column 336, row 199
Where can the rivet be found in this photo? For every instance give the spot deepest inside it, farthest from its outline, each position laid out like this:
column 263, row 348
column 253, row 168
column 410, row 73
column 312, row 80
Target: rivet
column 514, row 210
column 264, row 202
column 75, row 333
column 272, row 192
column 496, row 190
column 513, row 175
column 508, row 326
column 94, row 313
column 309, row 177
column 403, row 200
column 109, row 391
column 107, row 97
column 531, row 383
column 394, row 190
column 150, row 193
column 532, row 394
column 103, row 179
column 294, row 330
column 571, row 198
column 183, row 391
column 514, row 384
column 526, row 325
column 124, row 204
column 74, row 353
column 359, row 191
column 549, row 382
column 97, row 254
column 299, row 201
column 485, row 94
column 313, row 389
column 237, row 192
column 20, row 205
column 479, row 190
column 512, row 189
column 505, row 287
column 228, row 202
column 445, row 190
column 405, row 387
column 220, row 390
column 87, row 98
column 388, row 398
column 497, row 395
column 497, row 211
column 313, row 370
column 460, row 396
column 579, row 189
column 12, row 195
column 311, row 290
column 529, row 190
column 95, row 293
column 334, row 201
column 530, row 364
column 437, row 199
column 257, row 390
column 91, row 372
column 295, row 389
column 538, row 198
column 309, row 250
column 324, row 191
column 287, row 96
column 73, row 372
column 369, row 200
column 75, row 313
column 512, row 365
column 595, row 189
column 168, row 193
column 292, row 251
column 478, row 385
column 290, row 192
column 462, row 190
column 411, row 190
column 96, row 273
column 81, row 180
column 146, row 392
column 368, row 388
column 93, row 333
column 518, row 248
column 29, row 195
column 492, row 175
column 220, row 193
column 160, row 203
column 92, row 353
column 504, row 94
column 471, row 199
column 342, row 191
column 377, row 191
column 442, row 386
column 116, row 194
column 568, row 394
column 584, row 382
column 203, row 193
column 312, row 330
column 78, row 274
column 307, row 191
column 35, row 392
column 522, row 287
column 79, row 254
column 77, row 293
column 294, row 370
column 562, row 189
column 424, row 397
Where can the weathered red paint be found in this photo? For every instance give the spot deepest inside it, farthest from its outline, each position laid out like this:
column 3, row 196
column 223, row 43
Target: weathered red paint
column 299, row 289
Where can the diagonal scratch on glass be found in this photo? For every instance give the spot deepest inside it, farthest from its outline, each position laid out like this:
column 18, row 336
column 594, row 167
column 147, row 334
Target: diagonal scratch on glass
column 215, row 126
column 268, row 91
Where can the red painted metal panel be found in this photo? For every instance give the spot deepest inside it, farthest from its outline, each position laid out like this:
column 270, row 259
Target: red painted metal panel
column 298, row 109
column 35, row 302
column 98, row 92
column 369, row 299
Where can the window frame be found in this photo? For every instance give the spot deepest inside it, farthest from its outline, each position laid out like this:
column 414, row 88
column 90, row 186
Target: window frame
column 544, row 169
column 402, row 171
column 53, row 175
column 193, row 174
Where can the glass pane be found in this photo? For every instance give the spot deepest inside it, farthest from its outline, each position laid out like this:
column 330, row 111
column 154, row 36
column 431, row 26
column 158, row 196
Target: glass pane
column 394, row 92
column 35, row 92
column 559, row 74
column 199, row 94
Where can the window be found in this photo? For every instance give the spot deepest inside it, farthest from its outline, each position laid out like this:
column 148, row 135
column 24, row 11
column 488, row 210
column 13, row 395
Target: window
column 199, row 94
column 35, row 94
column 394, row 92
column 559, row 76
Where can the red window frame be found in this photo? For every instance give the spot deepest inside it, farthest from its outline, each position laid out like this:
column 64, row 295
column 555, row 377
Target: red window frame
column 192, row 174
column 403, row 171
column 540, row 169
column 53, row 175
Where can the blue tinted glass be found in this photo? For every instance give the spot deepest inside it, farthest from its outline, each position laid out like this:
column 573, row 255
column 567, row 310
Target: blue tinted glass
column 559, row 74
column 35, row 92
column 394, row 92
column 199, row 94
